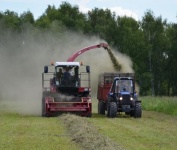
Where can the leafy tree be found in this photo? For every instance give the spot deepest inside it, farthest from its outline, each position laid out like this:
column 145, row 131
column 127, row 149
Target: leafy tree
column 171, row 59
column 43, row 22
column 71, row 17
column 129, row 40
column 52, row 13
column 27, row 17
column 155, row 38
column 101, row 22
column 11, row 19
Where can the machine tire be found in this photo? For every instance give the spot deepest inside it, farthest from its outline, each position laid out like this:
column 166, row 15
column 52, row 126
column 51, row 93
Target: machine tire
column 98, row 107
column 131, row 113
column 89, row 115
column 43, row 107
column 101, row 108
column 113, row 109
column 138, row 110
column 108, row 109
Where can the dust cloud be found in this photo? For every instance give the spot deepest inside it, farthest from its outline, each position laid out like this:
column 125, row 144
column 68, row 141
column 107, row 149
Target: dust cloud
column 23, row 57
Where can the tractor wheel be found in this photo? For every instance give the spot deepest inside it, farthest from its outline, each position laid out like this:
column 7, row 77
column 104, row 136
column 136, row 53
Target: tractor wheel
column 131, row 113
column 101, row 108
column 138, row 110
column 113, row 109
column 108, row 109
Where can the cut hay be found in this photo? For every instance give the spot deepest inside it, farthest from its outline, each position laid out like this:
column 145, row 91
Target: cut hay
column 85, row 134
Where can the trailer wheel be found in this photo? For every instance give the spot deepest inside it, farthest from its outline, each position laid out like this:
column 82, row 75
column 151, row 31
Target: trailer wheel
column 101, row 108
column 98, row 107
column 113, row 109
column 138, row 110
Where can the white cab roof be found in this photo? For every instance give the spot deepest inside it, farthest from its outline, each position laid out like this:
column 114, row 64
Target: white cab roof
column 67, row 64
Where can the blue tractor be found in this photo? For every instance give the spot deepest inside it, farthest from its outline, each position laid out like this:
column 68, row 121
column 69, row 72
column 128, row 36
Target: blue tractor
column 122, row 97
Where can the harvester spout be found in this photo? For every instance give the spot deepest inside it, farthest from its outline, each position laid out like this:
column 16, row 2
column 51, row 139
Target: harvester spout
column 73, row 57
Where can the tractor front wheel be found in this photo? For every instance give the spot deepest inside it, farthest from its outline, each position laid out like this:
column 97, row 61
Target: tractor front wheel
column 113, row 109
column 138, row 110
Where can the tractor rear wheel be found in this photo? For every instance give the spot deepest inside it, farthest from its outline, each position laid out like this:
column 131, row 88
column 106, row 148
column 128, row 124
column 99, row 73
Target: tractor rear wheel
column 113, row 109
column 138, row 110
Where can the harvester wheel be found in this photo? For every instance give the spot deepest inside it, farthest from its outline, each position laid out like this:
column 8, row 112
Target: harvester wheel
column 43, row 107
column 89, row 115
column 113, row 109
column 138, row 110
column 101, row 108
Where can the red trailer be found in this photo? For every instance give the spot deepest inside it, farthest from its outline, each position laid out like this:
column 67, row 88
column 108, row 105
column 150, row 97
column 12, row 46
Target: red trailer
column 104, row 85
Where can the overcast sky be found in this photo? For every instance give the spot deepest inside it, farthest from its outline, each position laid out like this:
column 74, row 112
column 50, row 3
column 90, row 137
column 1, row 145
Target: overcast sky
column 167, row 9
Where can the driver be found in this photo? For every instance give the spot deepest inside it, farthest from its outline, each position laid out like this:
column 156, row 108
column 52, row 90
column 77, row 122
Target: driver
column 59, row 74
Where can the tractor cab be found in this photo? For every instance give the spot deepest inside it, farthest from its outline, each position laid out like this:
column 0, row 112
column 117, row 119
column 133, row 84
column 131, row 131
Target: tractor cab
column 123, row 86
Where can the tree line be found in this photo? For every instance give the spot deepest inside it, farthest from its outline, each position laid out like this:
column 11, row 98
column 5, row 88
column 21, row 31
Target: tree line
column 151, row 43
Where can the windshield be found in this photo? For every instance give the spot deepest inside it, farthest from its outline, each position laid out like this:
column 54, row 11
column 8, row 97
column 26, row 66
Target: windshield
column 123, row 85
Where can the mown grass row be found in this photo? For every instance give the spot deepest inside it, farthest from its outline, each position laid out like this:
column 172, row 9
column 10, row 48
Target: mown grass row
column 166, row 105
column 85, row 133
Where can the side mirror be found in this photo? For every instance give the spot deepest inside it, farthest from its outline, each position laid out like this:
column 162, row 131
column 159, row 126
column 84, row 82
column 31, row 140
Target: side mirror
column 88, row 69
column 46, row 69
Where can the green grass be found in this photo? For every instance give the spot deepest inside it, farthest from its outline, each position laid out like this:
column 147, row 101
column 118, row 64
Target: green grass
column 166, row 105
column 20, row 132
column 153, row 131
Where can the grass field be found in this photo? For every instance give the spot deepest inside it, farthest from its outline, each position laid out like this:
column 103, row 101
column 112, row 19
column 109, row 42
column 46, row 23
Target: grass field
column 166, row 105
column 154, row 130
column 19, row 132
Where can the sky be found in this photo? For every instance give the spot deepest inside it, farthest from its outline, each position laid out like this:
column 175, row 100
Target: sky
column 167, row 9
